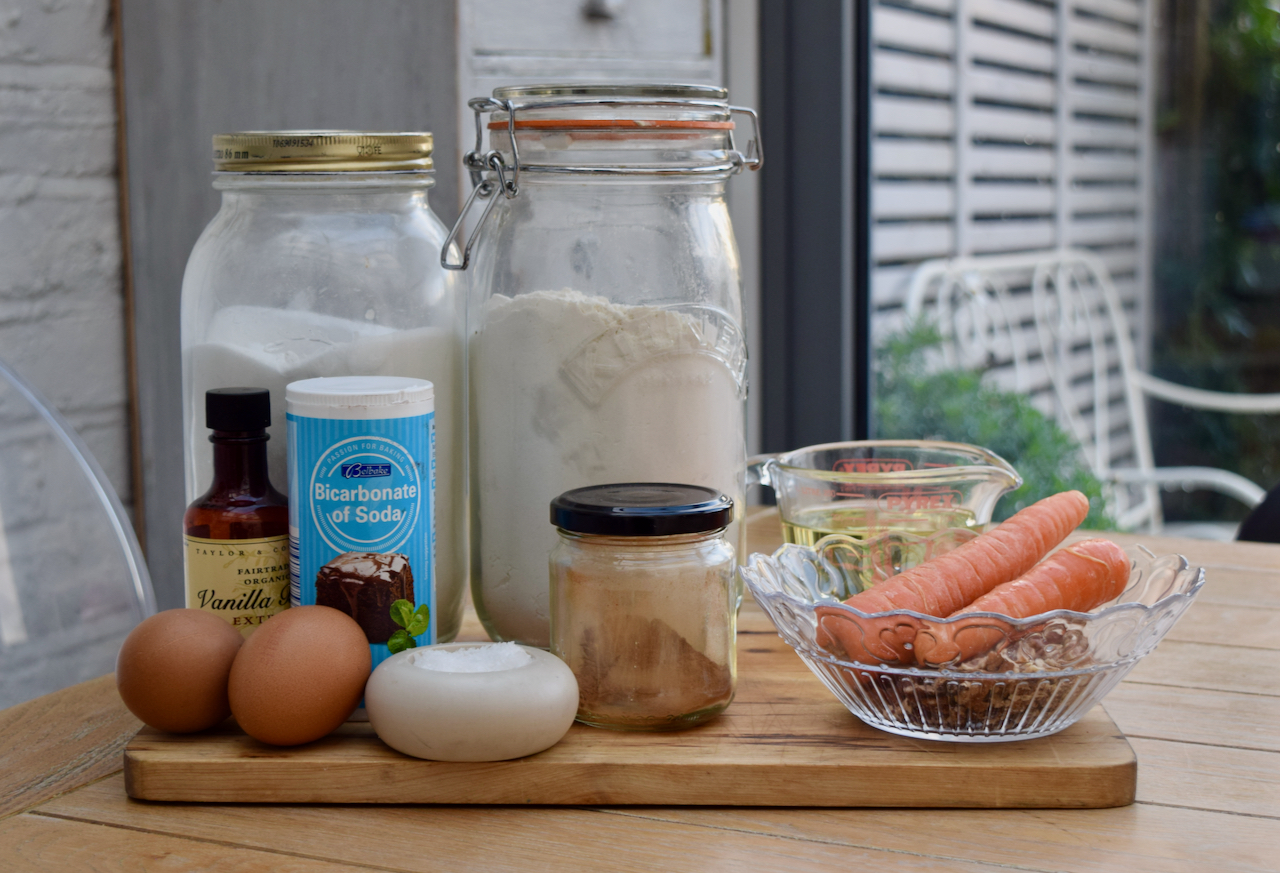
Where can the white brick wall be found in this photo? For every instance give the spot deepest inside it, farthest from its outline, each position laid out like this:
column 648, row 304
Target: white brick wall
column 61, row 291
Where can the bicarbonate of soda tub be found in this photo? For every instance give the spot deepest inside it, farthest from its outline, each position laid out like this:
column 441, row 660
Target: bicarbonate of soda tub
column 362, row 504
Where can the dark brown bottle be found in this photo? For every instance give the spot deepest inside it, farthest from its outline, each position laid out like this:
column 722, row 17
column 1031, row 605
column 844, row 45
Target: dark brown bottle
column 237, row 533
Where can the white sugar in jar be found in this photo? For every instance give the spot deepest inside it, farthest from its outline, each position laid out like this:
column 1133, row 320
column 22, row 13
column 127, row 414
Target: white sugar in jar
column 324, row 260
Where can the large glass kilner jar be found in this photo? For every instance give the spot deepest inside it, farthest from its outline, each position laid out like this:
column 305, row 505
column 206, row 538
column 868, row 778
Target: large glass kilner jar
column 324, row 260
column 605, row 319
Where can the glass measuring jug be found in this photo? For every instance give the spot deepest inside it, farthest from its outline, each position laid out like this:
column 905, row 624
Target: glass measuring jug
column 872, row 487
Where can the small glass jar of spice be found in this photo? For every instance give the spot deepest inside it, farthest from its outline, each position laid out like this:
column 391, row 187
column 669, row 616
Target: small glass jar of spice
column 644, row 603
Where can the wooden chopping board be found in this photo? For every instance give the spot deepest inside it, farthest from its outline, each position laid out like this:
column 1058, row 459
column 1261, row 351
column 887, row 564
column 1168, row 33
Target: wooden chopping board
column 785, row 741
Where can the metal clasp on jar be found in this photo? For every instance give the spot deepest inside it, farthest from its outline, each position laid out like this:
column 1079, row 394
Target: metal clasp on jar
column 490, row 172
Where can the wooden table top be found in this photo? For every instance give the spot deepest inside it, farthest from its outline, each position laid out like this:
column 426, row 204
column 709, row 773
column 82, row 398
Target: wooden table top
column 1202, row 712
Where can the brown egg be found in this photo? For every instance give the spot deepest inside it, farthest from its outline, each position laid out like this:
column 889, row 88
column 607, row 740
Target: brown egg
column 172, row 670
column 299, row 675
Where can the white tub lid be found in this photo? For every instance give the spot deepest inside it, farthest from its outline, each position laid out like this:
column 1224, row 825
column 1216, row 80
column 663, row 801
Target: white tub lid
column 360, row 397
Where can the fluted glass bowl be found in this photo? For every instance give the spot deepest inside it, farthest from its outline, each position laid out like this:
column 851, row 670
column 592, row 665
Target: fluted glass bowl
column 1029, row 677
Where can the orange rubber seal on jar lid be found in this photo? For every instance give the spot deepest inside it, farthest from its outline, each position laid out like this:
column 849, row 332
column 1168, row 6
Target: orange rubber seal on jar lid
column 611, row 124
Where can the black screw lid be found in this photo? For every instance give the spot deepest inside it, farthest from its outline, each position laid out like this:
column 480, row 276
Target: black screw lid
column 641, row 509
column 239, row 409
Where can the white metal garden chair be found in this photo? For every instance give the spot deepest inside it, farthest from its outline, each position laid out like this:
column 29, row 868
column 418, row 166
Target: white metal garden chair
column 1051, row 324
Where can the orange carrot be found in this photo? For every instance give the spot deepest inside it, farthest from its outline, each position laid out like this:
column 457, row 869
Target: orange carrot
column 951, row 581
column 1080, row 577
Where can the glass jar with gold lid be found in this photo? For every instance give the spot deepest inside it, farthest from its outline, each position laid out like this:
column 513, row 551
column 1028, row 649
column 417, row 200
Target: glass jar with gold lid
column 324, row 261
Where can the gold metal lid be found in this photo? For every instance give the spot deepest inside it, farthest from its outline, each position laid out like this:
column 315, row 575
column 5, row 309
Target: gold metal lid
column 321, row 151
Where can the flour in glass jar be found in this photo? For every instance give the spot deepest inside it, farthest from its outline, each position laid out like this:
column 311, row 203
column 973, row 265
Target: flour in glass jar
column 590, row 392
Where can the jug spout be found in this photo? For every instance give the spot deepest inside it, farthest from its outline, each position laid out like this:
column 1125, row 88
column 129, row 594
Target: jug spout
column 991, row 484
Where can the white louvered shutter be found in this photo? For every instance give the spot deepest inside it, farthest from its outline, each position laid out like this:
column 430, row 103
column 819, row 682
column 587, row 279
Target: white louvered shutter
column 1009, row 126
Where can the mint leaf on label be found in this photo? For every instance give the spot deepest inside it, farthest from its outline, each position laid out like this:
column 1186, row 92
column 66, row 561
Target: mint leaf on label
column 413, row 621
column 401, row 640
column 420, row 622
column 402, row 613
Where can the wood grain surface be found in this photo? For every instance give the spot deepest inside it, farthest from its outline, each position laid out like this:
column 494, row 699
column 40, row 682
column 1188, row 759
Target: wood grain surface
column 1199, row 806
column 62, row 740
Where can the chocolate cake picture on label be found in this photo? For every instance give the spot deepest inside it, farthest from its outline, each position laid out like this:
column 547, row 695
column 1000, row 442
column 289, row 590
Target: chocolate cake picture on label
column 364, row 585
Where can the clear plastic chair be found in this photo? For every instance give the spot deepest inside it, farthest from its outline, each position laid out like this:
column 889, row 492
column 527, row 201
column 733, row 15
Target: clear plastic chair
column 73, row 581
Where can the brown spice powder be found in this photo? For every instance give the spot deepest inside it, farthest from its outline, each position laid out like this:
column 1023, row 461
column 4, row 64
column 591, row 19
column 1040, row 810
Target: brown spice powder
column 631, row 663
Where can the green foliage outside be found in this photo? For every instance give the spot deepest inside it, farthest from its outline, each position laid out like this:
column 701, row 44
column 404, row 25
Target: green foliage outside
column 914, row 402
column 1217, row 237
column 1219, row 128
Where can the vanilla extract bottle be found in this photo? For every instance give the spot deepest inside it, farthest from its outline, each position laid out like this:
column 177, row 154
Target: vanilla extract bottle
column 236, row 553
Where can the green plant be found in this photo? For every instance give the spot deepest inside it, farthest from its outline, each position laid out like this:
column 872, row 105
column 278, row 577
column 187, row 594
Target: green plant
column 1215, row 307
column 413, row 622
column 915, row 401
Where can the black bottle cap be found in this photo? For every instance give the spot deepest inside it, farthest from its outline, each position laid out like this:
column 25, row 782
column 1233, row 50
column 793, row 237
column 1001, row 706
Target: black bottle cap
column 237, row 409
column 641, row 509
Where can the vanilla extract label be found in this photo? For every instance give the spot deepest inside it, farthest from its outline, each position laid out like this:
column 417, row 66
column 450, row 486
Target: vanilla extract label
column 244, row 582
